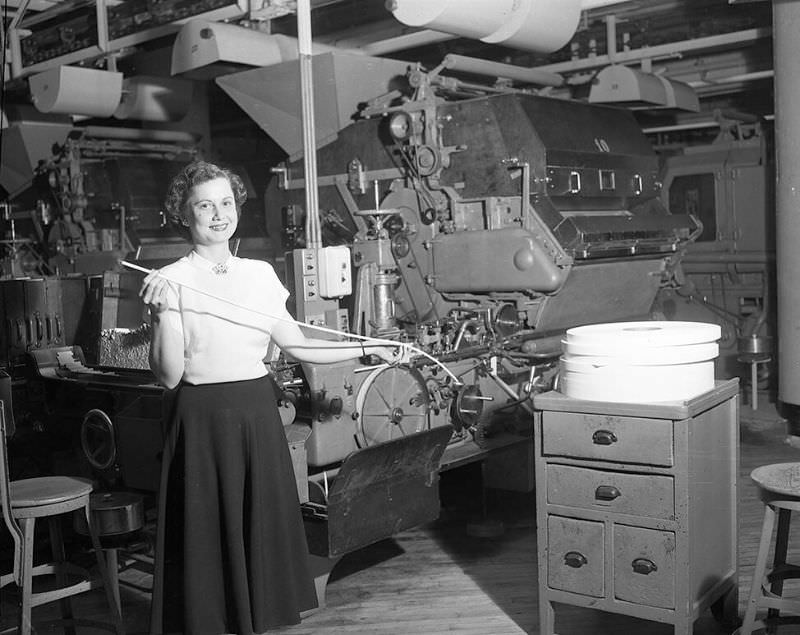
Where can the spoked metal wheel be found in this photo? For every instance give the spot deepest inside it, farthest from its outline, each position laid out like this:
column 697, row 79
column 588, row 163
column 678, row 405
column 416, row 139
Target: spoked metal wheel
column 391, row 403
column 98, row 440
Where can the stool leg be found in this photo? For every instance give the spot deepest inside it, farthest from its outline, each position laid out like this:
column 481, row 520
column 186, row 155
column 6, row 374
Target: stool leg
column 781, row 548
column 26, row 573
column 112, row 562
column 754, row 385
column 759, row 571
column 113, row 605
column 59, row 558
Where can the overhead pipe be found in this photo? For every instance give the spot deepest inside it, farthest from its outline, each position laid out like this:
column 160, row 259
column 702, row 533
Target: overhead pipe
column 660, row 51
column 487, row 68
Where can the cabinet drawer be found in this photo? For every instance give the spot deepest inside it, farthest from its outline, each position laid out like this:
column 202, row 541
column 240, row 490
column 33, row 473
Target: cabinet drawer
column 575, row 555
column 608, row 438
column 644, row 566
column 649, row 495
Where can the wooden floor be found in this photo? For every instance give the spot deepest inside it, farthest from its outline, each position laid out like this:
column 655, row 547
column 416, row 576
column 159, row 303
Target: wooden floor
column 442, row 579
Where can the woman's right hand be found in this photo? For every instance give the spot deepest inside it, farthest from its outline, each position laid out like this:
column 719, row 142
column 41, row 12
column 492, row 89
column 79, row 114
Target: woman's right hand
column 400, row 354
column 154, row 292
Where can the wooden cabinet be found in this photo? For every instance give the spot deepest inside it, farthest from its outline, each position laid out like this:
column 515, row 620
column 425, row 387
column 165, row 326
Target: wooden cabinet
column 636, row 506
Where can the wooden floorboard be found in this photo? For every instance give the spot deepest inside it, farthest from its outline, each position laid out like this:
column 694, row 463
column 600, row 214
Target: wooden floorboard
column 440, row 579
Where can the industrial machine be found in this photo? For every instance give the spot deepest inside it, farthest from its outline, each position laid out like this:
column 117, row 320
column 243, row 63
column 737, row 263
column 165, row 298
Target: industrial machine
column 482, row 221
column 469, row 220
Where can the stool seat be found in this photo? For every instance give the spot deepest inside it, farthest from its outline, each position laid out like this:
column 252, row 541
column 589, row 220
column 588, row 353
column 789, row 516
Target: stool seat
column 779, row 488
column 778, row 478
column 47, row 490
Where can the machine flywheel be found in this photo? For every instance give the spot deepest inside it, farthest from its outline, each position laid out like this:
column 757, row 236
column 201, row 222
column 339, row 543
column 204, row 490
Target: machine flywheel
column 392, row 402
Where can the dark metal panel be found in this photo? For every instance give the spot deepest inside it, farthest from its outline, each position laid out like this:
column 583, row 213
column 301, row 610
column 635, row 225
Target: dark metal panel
column 379, row 491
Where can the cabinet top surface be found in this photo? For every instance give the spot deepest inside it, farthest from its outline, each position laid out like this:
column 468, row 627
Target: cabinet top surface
column 723, row 389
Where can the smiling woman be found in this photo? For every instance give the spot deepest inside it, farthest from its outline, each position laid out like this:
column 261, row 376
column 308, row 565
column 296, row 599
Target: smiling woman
column 231, row 555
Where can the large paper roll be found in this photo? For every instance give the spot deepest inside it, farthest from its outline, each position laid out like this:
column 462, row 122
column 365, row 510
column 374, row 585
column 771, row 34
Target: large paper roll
column 636, row 362
column 643, row 384
column 618, row 338
column 155, row 98
column 467, row 18
column 74, row 90
column 541, row 26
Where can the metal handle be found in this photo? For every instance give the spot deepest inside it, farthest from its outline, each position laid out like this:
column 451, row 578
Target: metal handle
column 574, row 182
column 39, row 330
column 644, row 566
column 20, row 328
column 607, row 493
column 575, row 559
column 638, row 185
column 604, row 437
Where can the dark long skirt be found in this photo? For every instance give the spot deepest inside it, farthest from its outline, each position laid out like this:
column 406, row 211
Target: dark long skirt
column 231, row 553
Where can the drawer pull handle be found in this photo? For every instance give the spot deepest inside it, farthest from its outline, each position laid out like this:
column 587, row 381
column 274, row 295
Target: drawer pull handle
column 575, row 559
column 607, row 493
column 644, row 566
column 604, row 437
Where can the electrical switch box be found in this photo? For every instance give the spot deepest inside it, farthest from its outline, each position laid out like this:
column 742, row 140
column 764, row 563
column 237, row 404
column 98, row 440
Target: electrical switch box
column 335, row 274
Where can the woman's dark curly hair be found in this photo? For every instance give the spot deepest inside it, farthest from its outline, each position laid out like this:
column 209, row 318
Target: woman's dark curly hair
column 194, row 174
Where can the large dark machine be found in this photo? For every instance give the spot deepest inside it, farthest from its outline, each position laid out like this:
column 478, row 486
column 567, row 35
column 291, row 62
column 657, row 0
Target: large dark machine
column 482, row 221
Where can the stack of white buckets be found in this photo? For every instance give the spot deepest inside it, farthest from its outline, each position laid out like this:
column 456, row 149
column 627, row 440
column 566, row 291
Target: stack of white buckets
column 639, row 361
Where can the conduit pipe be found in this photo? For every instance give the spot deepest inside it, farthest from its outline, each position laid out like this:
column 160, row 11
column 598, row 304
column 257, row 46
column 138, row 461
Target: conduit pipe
column 313, row 229
column 487, row 68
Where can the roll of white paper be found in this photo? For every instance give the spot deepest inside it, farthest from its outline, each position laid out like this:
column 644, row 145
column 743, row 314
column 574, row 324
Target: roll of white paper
column 74, row 90
column 541, row 26
column 639, row 361
column 641, row 384
column 467, row 18
column 614, row 335
column 641, row 355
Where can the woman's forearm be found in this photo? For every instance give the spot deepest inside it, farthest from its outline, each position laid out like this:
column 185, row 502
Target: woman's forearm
column 318, row 351
column 166, row 351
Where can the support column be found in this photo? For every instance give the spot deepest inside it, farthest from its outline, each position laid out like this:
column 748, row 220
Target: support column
column 786, row 47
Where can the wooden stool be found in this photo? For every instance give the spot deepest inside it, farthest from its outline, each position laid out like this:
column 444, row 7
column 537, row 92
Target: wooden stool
column 24, row 501
column 779, row 488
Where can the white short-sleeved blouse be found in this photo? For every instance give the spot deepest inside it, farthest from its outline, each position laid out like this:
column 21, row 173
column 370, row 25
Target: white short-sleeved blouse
column 222, row 341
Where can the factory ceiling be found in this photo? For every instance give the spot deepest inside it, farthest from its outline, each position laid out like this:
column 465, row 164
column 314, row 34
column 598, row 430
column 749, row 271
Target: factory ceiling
column 720, row 48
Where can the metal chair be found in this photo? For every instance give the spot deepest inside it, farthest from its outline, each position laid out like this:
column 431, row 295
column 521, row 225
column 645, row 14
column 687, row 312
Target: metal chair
column 25, row 500
column 779, row 488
